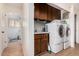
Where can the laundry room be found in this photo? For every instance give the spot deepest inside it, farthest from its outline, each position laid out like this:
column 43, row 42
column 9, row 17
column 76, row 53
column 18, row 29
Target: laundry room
column 51, row 29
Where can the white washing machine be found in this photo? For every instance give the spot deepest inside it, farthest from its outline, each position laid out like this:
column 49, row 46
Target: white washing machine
column 56, row 34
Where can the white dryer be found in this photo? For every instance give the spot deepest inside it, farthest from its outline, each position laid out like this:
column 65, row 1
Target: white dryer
column 67, row 39
column 56, row 34
column 66, row 36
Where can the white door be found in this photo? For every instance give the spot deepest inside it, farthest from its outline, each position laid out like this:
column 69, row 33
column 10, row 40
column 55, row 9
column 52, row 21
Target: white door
column 1, row 48
column 4, row 37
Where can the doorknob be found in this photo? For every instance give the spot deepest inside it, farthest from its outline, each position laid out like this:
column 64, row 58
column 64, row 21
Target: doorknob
column 5, row 42
column 2, row 31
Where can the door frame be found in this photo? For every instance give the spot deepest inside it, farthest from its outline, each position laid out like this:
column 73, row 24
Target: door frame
column 75, row 19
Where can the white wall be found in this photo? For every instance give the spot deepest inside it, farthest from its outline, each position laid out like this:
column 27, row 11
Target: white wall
column 77, row 28
column 38, row 26
column 65, row 6
column 13, row 8
column 72, row 28
column 28, row 30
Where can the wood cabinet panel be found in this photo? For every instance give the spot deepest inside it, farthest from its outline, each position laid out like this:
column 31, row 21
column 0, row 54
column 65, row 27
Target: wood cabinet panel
column 44, row 36
column 56, row 14
column 49, row 13
column 37, row 36
column 44, row 46
column 40, row 11
column 45, row 12
column 36, row 10
column 40, row 43
column 37, row 46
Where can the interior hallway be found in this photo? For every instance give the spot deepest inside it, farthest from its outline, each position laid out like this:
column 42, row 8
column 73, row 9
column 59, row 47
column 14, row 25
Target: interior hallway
column 66, row 52
column 13, row 49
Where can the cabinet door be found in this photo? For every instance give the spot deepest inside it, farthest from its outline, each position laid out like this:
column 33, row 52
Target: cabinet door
column 46, row 12
column 37, row 46
column 43, row 11
column 40, row 11
column 44, row 46
column 56, row 14
column 37, row 43
column 53, row 14
column 49, row 13
column 36, row 10
column 44, row 43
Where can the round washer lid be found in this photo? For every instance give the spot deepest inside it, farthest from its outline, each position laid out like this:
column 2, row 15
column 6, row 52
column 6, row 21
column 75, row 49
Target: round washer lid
column 61, row 31
column 67, row 31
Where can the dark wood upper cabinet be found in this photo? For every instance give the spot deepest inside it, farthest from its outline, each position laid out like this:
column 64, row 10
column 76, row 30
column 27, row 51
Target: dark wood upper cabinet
column 40, row 11
column 45, row 12
column 56, row 14
column 49, row 13
column 36, row 10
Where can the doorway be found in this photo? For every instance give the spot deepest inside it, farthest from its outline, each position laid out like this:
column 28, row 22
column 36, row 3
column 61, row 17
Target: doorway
column 75, row 18
column 13, row 29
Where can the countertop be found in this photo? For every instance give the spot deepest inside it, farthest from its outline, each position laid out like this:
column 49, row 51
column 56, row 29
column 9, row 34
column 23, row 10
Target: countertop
column 40, row 32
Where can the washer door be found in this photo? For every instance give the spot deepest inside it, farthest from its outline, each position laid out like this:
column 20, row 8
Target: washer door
column 61, row 31
column 67, row 32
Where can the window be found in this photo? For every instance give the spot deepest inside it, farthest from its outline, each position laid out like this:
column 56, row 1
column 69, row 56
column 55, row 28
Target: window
column 14, row 23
